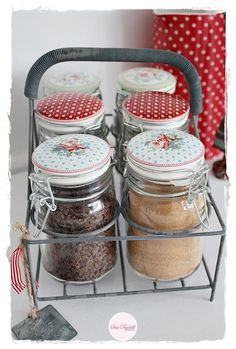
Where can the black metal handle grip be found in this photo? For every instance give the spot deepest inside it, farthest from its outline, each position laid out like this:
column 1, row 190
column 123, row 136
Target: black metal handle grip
column 116, row 55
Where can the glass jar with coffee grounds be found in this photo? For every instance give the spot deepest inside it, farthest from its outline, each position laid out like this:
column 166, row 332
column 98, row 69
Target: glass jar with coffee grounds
column 73, row 193
column 69, row 113
column 166, row 191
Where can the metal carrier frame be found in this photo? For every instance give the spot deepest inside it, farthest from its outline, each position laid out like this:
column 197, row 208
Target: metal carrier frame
column 31, row 92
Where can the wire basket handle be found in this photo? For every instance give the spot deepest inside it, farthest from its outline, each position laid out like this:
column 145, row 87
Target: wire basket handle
column 116, row 55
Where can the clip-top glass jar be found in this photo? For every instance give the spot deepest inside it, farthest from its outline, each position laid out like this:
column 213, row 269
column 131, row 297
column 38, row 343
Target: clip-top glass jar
column 72, row 82
column 166, row 190
column 140, row 79
column 150, row 110
column 73, row 194
column 68, row 113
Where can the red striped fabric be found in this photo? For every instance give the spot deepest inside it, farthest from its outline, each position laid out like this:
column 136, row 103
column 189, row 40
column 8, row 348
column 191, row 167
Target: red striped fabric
column 16, row 279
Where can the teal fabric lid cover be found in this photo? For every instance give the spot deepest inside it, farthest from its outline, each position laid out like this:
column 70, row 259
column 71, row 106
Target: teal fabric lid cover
column 159, row 154
column 69, row 159
column 72, row 81
column 147, row 79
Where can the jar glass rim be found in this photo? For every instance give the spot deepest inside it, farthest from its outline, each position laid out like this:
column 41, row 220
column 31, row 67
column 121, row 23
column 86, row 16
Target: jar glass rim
column 177, row 187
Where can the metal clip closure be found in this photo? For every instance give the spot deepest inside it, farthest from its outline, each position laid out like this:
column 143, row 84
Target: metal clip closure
column 122, row 93
column 198, row 186
column 124, row 158
column 114, row 160
column 136, row 128
column 94, row 127
column 104, row 129
column 39, row 186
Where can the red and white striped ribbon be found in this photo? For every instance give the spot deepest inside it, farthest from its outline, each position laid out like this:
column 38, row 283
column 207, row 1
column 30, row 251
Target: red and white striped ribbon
column 16, row 278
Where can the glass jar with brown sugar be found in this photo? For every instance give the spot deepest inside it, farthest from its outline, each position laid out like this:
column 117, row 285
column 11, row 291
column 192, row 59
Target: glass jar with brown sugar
column 73, row 194
column 166, row 190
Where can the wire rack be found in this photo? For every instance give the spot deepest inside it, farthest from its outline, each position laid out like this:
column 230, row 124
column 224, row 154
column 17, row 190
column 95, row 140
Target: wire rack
column 31, row 91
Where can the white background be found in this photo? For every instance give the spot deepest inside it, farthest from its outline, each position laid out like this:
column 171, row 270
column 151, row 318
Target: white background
column 37, row 32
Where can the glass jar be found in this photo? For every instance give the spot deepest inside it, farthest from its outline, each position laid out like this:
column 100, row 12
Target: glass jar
column 140, row 79
column 72, row 82
column 73, row 194
column 151, row 110
column 166, row 190
column 68, row 113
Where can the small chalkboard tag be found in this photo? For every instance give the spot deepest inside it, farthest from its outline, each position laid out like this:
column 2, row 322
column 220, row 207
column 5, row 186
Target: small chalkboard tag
column 49, row 325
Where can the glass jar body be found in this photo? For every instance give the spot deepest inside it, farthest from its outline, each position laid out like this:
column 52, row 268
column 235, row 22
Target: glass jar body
column 80, row 261
column 164, row 259
column 47, row 90
column 46, row 131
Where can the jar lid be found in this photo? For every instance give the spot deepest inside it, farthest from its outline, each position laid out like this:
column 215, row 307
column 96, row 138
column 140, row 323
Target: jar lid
column 146, row 79
column 72, row 159
column 165, row 154
column 72, row 81
column 69, row 107
column 158, row 107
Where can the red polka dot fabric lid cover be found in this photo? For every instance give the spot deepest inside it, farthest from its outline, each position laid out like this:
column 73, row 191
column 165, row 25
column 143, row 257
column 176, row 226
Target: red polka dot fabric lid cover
column 69, row 107
column 156, row 106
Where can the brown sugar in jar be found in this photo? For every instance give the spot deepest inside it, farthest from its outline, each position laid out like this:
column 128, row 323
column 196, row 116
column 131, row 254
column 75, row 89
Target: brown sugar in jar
column 159, row 200
column 165, row 259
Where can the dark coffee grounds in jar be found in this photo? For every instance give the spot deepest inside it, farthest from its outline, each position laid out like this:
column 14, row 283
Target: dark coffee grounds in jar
column 82, row 217
column 80, row 261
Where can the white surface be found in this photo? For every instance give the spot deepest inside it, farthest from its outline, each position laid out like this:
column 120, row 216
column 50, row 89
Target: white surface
column 38, row 31
column 177, row 316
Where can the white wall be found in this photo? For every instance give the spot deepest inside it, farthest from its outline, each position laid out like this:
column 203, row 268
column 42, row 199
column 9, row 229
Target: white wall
column 36, row 32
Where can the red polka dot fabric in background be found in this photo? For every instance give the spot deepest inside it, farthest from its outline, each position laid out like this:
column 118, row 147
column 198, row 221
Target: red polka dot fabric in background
column 201, row 39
